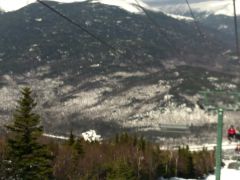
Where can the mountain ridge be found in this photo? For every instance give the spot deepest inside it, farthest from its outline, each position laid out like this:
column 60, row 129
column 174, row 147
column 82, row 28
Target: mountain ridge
column 79, row 83
column 128, row 5
column 204, row 7
column 215, row 7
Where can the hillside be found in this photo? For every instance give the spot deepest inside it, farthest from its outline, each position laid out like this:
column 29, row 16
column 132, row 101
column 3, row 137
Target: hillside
column 215, row 14
column 81, row 84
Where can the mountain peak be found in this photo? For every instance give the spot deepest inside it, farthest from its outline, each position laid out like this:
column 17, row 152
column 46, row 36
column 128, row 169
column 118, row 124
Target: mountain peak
column 215, row 7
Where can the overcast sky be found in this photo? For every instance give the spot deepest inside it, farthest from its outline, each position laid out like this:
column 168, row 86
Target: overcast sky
column 16, row 4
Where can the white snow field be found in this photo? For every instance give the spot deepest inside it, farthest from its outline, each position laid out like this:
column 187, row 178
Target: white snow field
column 225, row 146
column 226, row 174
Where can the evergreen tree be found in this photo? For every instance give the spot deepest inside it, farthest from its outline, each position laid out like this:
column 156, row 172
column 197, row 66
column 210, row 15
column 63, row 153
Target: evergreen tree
column 185, row 165
column 124, row 138
column 2, row 158
column 116, row 138
column 142, row 144
column 71, row 139
column 78, row 147
column 135, row 140
column 121, row 170
column 28, row 158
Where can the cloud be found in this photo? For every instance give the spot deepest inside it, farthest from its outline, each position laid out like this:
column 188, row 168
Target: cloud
column 11, row 5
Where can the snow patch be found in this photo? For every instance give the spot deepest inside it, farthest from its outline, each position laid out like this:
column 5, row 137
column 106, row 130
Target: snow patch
column 227, row 174
column 95, row 65
column 222, row 26
column 91, row 136
column 55, row 136
column 38, row 19
column 179, row 17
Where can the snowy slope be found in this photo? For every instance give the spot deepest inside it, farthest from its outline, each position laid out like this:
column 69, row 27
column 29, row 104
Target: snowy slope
column 180, row 17
column 129, row 5
column 226, row 174
column 216, row 7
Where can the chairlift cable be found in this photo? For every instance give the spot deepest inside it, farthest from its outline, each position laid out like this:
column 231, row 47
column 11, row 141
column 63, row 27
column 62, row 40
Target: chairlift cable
column 194, row 20
column 105, row 43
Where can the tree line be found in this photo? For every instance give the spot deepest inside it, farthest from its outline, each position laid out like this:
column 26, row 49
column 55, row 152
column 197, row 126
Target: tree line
column 26, row 155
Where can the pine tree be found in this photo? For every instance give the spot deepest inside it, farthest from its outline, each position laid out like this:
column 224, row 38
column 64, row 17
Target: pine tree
column 121, row 170
column 2, row 158
column 185, row 165
column 71, row 139
column 117, row 138
column 135, row 140
column 28, row 158
column 79, row 147
column 142, row 144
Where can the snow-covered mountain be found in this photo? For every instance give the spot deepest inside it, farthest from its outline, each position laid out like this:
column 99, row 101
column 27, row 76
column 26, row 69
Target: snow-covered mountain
column 175, row 8
column 179, row 7
column 128, row 5
column 82, row 84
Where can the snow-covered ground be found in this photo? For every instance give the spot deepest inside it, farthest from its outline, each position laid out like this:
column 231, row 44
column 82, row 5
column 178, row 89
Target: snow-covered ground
column 227, row 174
column 174, row 178
column 90, row 136
column 225, row 146
column 55, row 136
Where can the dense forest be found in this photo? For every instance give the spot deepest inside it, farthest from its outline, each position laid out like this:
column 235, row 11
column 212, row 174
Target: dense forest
column 26, row 154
